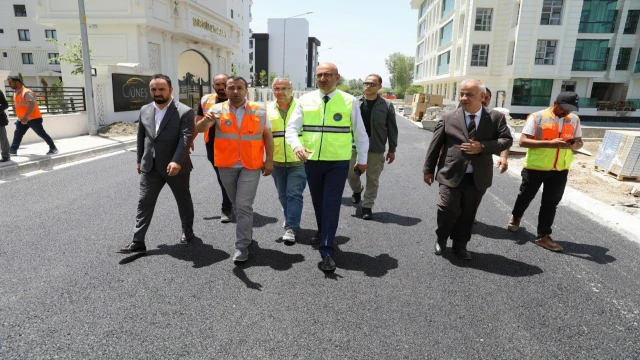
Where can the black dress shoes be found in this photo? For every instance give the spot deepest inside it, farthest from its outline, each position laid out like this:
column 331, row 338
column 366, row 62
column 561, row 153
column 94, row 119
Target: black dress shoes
column 134, row 247
column 439, row 247
column 462, row 254
column 316, row 238
column 186, row 237
column 327, row 264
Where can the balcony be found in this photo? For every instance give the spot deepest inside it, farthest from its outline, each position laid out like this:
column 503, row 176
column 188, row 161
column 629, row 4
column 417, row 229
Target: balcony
column 587, row 102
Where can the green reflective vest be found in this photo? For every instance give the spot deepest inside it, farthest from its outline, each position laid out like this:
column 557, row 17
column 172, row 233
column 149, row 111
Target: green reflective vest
column 282, row 152
column 326, row 129
column 546, row 159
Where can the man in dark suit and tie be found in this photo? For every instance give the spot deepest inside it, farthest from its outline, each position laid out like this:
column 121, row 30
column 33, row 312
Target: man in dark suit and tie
column 165, row 131
column 461, row 147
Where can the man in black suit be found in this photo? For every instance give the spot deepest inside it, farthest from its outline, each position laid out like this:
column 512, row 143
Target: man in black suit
column 461, row 147
column 165, row 131
column 4, row 121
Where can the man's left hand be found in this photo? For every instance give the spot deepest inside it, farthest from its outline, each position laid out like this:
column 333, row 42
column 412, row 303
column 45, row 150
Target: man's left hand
column 267, row 168
column 390, row 157
column 362, row 168
column 472, row 147
column 502, row 164
column 173, row 169
column 24, row 121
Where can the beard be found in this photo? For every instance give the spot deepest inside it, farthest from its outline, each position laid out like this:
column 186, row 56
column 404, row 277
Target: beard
column 160, row 100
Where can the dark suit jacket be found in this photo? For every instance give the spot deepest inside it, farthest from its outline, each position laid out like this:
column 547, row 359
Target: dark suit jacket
column 383, row 125
column 4, row 105
column 171, row 143
column 451, row 132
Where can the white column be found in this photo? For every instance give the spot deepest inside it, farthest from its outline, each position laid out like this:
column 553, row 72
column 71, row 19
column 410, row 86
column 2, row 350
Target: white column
column 143, row 46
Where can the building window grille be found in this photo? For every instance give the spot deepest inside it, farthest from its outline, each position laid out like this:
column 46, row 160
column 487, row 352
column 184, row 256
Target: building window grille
column 598, row 17
column 551, row 12
column 446, row 33
column 24, row 35
column 624, row 57
column 443, row 63
column 51, row 34
column 53, row 56
column 480, row 55
column 631, row 25
column 27, row 58
column 20, row 10
column 421, row 29
column 483, row 19
column 531, row 92
column 546, row 52
column 590, row 55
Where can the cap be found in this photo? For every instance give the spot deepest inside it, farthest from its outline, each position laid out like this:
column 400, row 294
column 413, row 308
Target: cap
column 568, row 100
column 15, row 78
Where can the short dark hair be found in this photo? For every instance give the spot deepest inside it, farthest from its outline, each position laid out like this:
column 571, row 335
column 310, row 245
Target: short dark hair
column 238, row 78
column 378, row 76
column 488, row 91
column 161, row 76
column 15, row 78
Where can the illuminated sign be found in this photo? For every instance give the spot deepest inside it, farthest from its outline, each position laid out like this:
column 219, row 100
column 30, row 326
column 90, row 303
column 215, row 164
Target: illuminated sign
column 209, row 27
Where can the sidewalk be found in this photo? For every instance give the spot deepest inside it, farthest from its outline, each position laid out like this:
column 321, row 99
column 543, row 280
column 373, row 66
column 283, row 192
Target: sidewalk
column 32, row 157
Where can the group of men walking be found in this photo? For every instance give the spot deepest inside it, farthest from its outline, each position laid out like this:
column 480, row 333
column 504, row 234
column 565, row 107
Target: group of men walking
column 327, row 138
column 320, row 139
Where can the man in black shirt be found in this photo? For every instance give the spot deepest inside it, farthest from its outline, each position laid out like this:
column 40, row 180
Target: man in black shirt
column 207, row 102
column 4, row 121
column 379, row 117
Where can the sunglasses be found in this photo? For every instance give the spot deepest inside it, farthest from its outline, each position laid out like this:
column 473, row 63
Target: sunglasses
column 370, row 84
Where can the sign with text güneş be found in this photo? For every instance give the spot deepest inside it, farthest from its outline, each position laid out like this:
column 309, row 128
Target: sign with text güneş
column 130, row 92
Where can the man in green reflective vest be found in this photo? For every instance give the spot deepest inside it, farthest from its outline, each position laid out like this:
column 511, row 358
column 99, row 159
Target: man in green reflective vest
column 288, row 170
column 330, row 121
column 550, row 135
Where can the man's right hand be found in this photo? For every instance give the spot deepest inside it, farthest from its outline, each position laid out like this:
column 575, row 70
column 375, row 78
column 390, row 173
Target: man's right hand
column 138, row 169
column 301, row 153
column 558, row 143
column 428, row 178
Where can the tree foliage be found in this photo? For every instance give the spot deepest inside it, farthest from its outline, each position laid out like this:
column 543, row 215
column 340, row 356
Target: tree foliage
column 72, row 55
column 415, row 89
column 400, row 67
column 263, row 78
column 272, row 76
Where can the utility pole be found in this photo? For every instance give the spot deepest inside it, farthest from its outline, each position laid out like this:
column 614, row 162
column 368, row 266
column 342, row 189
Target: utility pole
column 86, row 70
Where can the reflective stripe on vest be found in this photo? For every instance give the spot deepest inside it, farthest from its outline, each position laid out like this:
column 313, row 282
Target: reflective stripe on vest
column 206, row 103
column 282, row 152
column 21, row 105
column 546, row 159
column 245, row 144
column 326, row 130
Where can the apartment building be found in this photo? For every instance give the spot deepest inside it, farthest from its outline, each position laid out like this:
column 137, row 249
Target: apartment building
column 529, row 51
column 23, row 45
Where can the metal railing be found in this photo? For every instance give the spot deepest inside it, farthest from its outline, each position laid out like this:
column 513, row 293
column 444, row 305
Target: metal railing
column 53, row 99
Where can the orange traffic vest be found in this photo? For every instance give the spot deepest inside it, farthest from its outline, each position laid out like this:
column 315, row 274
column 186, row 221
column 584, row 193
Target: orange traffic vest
column 21, row 105
column 207, row 103
column 245, row 144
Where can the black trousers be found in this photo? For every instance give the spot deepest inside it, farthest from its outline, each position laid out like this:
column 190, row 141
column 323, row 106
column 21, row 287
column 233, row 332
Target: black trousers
column 457, row 210
column 554, row 185
column 151, row 184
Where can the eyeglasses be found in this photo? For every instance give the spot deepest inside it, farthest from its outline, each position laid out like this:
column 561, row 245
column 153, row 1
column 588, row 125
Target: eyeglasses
column 280, row 89
column 325, row 75
column 370, row 84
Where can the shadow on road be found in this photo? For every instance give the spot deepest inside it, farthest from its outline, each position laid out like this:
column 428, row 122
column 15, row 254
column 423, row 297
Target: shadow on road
column 495, row 264
column 346, row 201
column 200, row 254
column 597, row 254
column 377, row 266
column 277, row 260
column 258, row 220
column 385, row 217
column 521, row 237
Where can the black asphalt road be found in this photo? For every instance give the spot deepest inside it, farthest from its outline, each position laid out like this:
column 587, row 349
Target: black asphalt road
column 66, row 293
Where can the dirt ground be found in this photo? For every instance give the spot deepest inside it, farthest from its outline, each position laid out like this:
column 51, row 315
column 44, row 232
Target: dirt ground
column 598, row 185
column 120, row 128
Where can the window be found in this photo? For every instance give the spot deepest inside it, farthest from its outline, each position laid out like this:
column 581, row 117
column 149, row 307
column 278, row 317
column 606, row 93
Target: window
column 423, row 9
column 598, row 16
column 250, row 44
column 590, row 55
column 232, row 13
column 24, row 35
column 483, row 19
column 512, row 52
column 1, row 31
column 551, row 12
column 631, row 24
column 251, row 56
column 443, row 63
column 624, row 56
column 446, row 33
column 54, row 56
column 546, row 52
column 421, row 29
column 20, row 10
column 480, row 55
column 531, row 92
column 27, row 58
column 420, row 52
column 418, row 74
column 51, row 34
column 637, row 68
column 454, row 92
column 447, row 6
column 4, row 54
column 516, row 14
column 568, row 86
column 461, row 25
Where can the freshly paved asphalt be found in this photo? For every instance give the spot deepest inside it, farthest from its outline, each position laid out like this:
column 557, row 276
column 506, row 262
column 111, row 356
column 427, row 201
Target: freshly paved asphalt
column 66, row 293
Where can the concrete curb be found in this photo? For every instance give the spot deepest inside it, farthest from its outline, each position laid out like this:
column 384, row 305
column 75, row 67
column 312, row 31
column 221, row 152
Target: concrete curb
column 46, row 162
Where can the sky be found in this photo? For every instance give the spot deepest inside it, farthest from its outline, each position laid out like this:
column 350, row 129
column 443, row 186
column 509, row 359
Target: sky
column 361, row 33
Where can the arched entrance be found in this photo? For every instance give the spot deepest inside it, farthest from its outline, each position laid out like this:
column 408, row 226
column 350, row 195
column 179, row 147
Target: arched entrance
column 194, row 77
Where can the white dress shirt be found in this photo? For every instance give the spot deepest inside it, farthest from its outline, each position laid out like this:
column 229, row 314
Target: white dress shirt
column 359, row 132
column 159, row 115
column 476, row 120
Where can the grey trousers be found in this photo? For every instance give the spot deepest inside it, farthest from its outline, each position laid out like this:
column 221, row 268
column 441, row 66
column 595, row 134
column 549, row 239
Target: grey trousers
column 4, row 142
column 241, row 185
column 375, row 164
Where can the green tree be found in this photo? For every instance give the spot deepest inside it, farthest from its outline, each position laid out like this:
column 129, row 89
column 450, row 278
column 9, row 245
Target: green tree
column 415, row 89
column 263, row 78
column 272, row 76
column 343, row 87
column 44, row 82
column 233, row 70
column 386, row 90
column 56, row 101
column 355, row 87
column 400, row 67
column 72, row 55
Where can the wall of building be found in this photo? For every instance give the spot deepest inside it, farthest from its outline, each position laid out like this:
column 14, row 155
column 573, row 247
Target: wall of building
column 57, row 126
column 291, row 46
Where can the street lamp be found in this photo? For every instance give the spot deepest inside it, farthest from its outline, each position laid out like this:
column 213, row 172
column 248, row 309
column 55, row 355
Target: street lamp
column 284, row 37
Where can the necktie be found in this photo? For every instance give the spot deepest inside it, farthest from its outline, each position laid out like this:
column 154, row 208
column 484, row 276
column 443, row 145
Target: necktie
column 471, row 128
column 326, row 99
